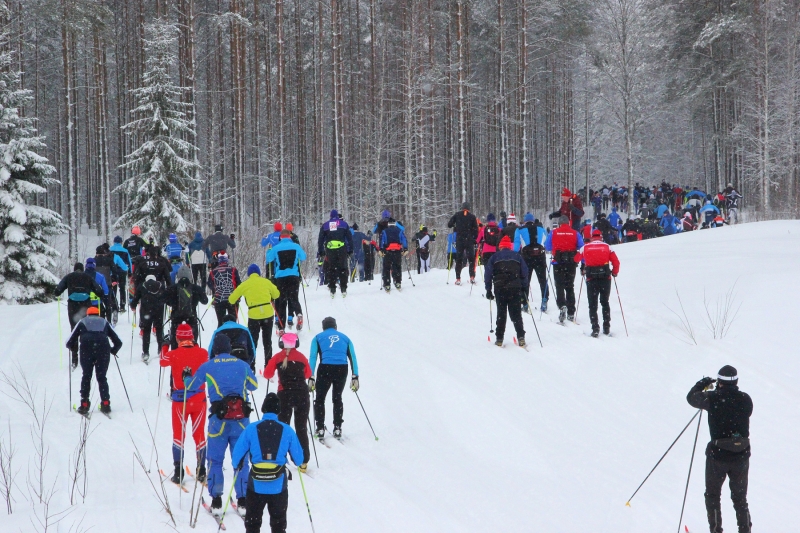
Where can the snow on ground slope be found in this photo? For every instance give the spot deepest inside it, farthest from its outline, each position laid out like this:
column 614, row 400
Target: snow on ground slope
column 474, row 437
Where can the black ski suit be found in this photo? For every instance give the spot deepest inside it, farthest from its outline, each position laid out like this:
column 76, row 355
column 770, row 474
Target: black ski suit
column 151, row 314
column 94, row 334
column 79, row 285
column 466, row 226
column 172, row 299
column 509, row 273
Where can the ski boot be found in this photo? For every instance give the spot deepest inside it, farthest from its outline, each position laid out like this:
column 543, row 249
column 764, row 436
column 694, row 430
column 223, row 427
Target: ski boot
column 216, row 505
column 344, row 294
column 333, row 293
column 83, row 408
column 562, row 314
column 241, row 506
column 177, row 477
column 472, row 280
column 337, row 432
column 105, row 407
column 521, row 342
column 397, row 286
column 201, row 474
column 595, row 331
column 499, row 341
column 299, row 322
column 290, row 322
column 571, row 318
column 387, row 288
column 458, row 281
column 145, row 357
column 606, row 329
column 320, row 433
column 544, row 305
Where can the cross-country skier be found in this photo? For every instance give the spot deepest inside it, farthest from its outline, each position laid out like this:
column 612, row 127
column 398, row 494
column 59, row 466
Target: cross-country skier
column 152, row 264
column 598, row 264
column 113, row 269
column 199, row 259
column 564, row 243
column 183, row 297
column 369, row 247
column 93, row 333
column 394, row 247
column 242, row 345
column 174, row 251
column 728, row 453
column 466, row 231
column 509, row 274
column 510, row 229
column 528, row 243
column 79, row 286
column 335, row 350
column 217, row 243
column 423, row 240
column 357, row 263
column 258, row 293
column 222, row 281
column 571, row 207
column 268, row 241
column 335, row 243
column 228, row 378
column 120, row 251
column 488, row 238
column 293, row 370
column 91, row 269
column 151, row 314
column 285, row 259
column 188, row 400
column 135, row 244
column 265, row 444
column 732, row 204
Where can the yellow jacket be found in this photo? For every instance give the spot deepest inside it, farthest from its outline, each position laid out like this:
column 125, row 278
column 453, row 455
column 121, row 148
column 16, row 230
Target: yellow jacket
column 258, row 294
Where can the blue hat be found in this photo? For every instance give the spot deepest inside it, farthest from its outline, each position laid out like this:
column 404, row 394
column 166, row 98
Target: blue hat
column 386, row 214
column 90, row 263
column 253, row 269
column 117, row 239
column 334, row 213
column 527, row 218
column 490, row 217
column 173, row 237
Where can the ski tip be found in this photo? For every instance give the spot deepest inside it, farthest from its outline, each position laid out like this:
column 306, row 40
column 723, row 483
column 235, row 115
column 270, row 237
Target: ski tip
column 686, row 528
column 488, row 338
column 515, row 340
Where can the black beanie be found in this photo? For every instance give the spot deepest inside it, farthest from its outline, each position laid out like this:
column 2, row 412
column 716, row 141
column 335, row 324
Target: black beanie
column 272, row 404
column 328, row 322
column 222, row 344
column 727, row 375
column 77, row 267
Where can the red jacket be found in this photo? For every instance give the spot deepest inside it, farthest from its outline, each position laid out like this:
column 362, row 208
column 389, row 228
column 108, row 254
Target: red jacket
column 597, row 254
column 563, row 239
column 293, row 374
column 192, row 356
column 587, row 232
column 567, row 210
column 482, row 232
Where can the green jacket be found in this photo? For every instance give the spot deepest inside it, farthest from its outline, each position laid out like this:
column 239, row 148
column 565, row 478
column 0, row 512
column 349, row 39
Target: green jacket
column 258, row 294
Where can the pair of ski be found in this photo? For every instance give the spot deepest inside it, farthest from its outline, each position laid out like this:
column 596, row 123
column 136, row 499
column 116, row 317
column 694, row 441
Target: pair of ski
column 88, row 415
column 324, row 442
column 515, row 343
column 180, row 485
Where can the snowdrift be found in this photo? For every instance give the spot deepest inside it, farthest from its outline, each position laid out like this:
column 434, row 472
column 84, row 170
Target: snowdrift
column 473, row 438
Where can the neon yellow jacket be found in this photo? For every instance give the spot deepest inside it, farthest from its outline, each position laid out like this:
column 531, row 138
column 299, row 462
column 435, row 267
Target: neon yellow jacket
column 258, row 294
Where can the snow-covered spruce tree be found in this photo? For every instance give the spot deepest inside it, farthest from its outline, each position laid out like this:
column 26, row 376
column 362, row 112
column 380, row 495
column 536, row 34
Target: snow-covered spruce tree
column 162, row 180
column 26, row 259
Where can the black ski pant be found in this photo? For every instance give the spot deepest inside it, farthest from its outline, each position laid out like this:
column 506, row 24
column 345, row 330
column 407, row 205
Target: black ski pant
column 199, row 274
column 336, row 268
column 223, row 308
column 485, row 256
column 276, row 505
column 468, row 249
column 120, row 293
column 599, row 288
column 392, row 266
column 76, row 311
column 289, row 298
column 509, row 302
column 297, row 402
column 258, row 326
column 330, row 376
column 99, row 365
column 149, row 319
column 173, row 329
column 369, row 263
column 539, row 267
column 564, row 277
column 716, row 472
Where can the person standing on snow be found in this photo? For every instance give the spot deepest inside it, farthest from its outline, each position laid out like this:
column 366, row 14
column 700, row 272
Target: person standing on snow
column 151, row 314
column 732, row 204
column 273, row 239
column 217, row 243
column 335, row 350
column 285, row 259
column 488, row 238
column 563, row 243
column 188, row 400
column 198, row 258
column 242, row 345
column 222, row 281
column 135, row 244
column 571, row 207
column 335, row 243
column 174, row 251
column 728, row 452
column 293, row 370
column 394, row 247
column 466, row 231
column 266, row 443
column 122, row 253
column 229, row 379
column 79, row 286
column 91, row 269
column 153, row 264
column 94, row 333
column 509, row 273
column 258, row 293
column 528, row 243
column 598, row 264
column 424, row 240
column 358, row 253
column 183, row 297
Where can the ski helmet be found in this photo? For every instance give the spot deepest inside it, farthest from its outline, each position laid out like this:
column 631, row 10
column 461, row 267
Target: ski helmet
column 173, row 238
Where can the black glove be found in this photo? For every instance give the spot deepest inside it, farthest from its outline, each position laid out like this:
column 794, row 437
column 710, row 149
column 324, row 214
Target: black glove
column 187, row 373
column 489, row 295
column 233, row 236
column 583, row 269
column 705, row 382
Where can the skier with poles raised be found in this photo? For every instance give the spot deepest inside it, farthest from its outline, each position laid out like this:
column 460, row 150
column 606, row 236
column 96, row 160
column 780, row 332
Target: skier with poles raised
column 229, row 378
column 563, row 243
column 509, row 273
column 94, row 333
column 79, row 286
column 335, row 351
column 598, row 264
column 394, row 247
column 188, row 400
column 466, row 230
column 285, row 259
column 258, row 293
column 266, row 443
column 183, row 298
column 151, row 314
column 293, row 370
column 728, row 452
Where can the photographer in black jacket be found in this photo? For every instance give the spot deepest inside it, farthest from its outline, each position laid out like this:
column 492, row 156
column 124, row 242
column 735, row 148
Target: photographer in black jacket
column 728, row 453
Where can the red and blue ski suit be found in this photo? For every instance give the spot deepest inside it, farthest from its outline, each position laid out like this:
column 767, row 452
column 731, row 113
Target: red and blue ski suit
column 192, row 391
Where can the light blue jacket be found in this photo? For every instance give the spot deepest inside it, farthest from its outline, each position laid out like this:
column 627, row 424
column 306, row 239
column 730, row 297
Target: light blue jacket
column 279, row 251
column 334, row 348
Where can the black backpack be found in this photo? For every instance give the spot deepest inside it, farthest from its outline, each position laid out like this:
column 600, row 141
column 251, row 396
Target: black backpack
column 185, row 307
column 491, row 235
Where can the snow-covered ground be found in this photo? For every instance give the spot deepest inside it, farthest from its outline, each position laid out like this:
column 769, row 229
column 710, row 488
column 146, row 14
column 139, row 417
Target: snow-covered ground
column 475, row 438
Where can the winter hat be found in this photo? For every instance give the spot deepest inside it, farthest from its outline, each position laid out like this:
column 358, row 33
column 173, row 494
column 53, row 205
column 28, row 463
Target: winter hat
column 527, row 218
column 563, row 219
column 490, row 217
column 93, row 310
column 90, row 263
column 289, row 340
column 566, row 193
column 334, row 214
column 503, row 214
column 290, row 226
column 173, row 238
column 253, row 269
column 386, row 213
column 597, row 234
column 286, row 234
column 511, row 219
column 223, row 258
column 222, row 344
column 728, row 375
column 184, row 332
column 228, row 318
column 77, row 267
column 198, row 236
column 355, row 227
column 278, row 227
column 136, row 230
column 505, row 243
column 272, row 404
column 328, row 322
column 184, row 272
column 465, row 206
column 117, row 239
column 218, row 227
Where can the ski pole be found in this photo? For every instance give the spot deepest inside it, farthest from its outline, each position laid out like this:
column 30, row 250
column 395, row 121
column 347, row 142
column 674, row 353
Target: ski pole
column 183, row 436
column 207, row 308
column 123, row 382
column 228, row 500
column 691, row 463
column 547, row 287
column 311, row 433
column 308, row 508
column 305, row 305
column 449, row 264
column 628, row 503
column 408, row 268
column 133, row 329
column 60, row 339
column 530, row 311
column 365, row 415
column 620, row 307
column 491, row 322
column 580, row 293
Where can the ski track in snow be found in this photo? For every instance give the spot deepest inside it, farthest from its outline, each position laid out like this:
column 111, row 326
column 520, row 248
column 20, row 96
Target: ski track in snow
column 473, row 438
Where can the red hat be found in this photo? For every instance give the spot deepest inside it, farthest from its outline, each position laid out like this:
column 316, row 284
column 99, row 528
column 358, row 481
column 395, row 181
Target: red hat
column 94, row 310
column 184, row 332
column 566, row 193
column 597, row 234
column 290, row 226
column 505, row 243
column 278, row 226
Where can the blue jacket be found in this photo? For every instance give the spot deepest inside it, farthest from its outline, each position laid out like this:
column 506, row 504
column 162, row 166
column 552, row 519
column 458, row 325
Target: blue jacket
column 94, row 333
column 334, row 348
column 709, row 207
column 668, row 223
column 249, row 443
column 121, row 253
column 451, row 243
column 226, row 375
column 614, row 219
column 240, row 336
column 522, row 237
column 507, row 270
column 332, row 233
column 393, row 234
column 99, row 278
column 271, row 240
column 358, row 249
column 197, row 246
column 173, row 250
column 662, row 210
column 287, row 256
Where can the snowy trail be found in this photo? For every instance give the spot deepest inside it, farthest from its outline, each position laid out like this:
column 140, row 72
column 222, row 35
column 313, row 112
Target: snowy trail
column 473, row 437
